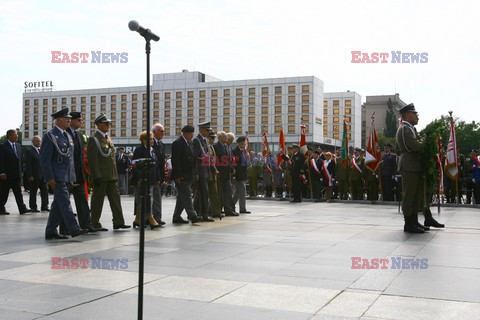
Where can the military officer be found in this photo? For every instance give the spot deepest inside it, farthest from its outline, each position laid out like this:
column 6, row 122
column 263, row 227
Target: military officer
column 388, row 171
column 357, row 173
column 297, row 169
column 410, row 167
column 56, row 160
column 213, row 196
column 103, row 173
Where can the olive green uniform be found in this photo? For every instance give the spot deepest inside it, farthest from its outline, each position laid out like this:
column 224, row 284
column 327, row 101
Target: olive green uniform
column 357, row 178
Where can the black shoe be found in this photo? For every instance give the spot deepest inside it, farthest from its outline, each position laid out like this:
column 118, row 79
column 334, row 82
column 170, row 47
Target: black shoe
column 54, row 236
column 152, row 226
column 430, row 221
column 78, row 232
column 91, row 229
column 232, row 214
column 412, row 229
column 34, row 210
column 64, row 232
column 121, row 226
column 45, row 209
column 102, row 229
column 4, row 213
column 195, row 219
column 179, row 221
column 246, row 212
column 208, row 219
column 295, row 200
column 24, row 211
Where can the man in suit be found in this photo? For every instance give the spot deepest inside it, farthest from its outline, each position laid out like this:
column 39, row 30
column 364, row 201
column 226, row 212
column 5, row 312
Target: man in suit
column 122, row 166
column 316, row 175
column 200, row 146
column 223, row 152
column 35, row 176
column 103, row 173
column 183, row 172
column 357, row 175
column 11, row 166
column 57, row 163
column 241, row 168
column 342, row 172
column 411, row 168
column 388, row 171
column 297, row 169
column 158, row 133
column 79, row 188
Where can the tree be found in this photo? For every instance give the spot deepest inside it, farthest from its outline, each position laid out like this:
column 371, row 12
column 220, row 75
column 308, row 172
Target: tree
column 391, row 120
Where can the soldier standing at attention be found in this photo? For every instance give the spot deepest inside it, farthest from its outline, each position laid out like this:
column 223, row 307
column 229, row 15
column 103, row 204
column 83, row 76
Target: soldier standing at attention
column 357, row 172
column 297, row 169
column 103, row 172
column 411, row 168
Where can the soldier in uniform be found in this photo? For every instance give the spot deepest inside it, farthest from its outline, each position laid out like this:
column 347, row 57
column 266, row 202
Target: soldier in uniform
column 213, row 196
column 410, row 167
column 357, row 172
column 103, row 173
column 388, row 171
column 342, row 171
column 297, row 169
column 56, row 160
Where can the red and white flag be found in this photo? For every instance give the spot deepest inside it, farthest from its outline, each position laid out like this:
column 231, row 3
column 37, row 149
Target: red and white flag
column 313, row 164
column 355, row 166
column 303, row 140
column 372, row 156
column 451, row 159
column 247, row 146
column 266, row 152
column 438, row 160
column 281, row 144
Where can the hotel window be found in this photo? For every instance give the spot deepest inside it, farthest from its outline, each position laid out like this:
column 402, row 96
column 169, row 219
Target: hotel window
column 278, row 90
column 348, row 110
column 178, row 104
column 291, row 89
column 238, row 120
column 264, row 119
column 214, row 102
column 189, row 94
column 190, row 113
column 27, row 118
column 113, row 115
column 336, row 128
column 167, row 104
column 73, row 108
column 144, row 123
column 156, row 105
column 278, row 109
column 239, row 101
column 325, row 111
column 335, row 119
column 325, row 103
column 178, row 113
column 92, row 116
column 45, row 102
column 307, row 128
column 226, row 129
column 226, row 92
column 348, row 119
column 251, row 110
column 156, row 96
column 251, row 120
column 264, row 90
column 134, row 97
column 201, row 112
column 124, row 97
column 134, row 132
column 305, row 88
column 348, row 103
column 226, row 120
column 93, row 99
column 291, row 129
column 113, row 98
column 226, row 102
column 291, row 109
column 349, row 127
column 83, row 108
column 123, row 115
column 54, row 101
column 45, row 109
column 123, row 132
column 291, row 119
column 336, row 103
column 156, row 114
column 291, row 99
column 325, row 120
column 278, row 119
column 103, row 98
column 134, row 123
column 239, row 92
column 305, row 118
column 167, row 113
column 349, row 136
column 178, row 131
column 134, row 114
column 103, row 107
column 45, row 118
column 214, row 112
column 239, row 111
column 202, row 93
column 305, row 109
column 306, row 98
column 35, row 102
column 113, row 107
column 226, row 111
column 251, row 130
column 336, row 111
column 167, row 122
column 214, row 121
column 35, row 110
column 144, row 96
column 264, row 100
column 238, row 130
column 336, row 136
column 202, row 103
column 27, row 110
column 167, row 95
column 264, row 110
column 251, row 91
column 45, row 126
column 278, row 99
column 214, row 93
column 190, row 103
column 144, row 105
column 178, row 122
column 83, row 100
column 26, row 134
column 93, row 108
column 278, row 129
column 167, row 131
column 201, row 119
column 123, row 124
column 27, row 103
column 251, row 101
column 35, row 126
column 325, row 128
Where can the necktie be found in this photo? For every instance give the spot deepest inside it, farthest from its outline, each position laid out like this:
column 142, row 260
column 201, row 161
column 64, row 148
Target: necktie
column 38, row 150
column 66, row 137
column 14, row 149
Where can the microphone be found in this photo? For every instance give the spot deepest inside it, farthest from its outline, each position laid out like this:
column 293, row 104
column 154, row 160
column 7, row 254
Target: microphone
column 146, row 33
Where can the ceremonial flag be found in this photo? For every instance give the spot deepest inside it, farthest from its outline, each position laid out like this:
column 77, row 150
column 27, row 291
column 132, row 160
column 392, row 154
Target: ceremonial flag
column 303, row 140
column 373, row 157
column 438, row 160
column 247, row 145
column 266, row 152
column 451, row 160
column 281, row 144
column 345, row 145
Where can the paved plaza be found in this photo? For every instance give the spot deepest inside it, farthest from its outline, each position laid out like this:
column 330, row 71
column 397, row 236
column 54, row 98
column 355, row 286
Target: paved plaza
column 283, row 261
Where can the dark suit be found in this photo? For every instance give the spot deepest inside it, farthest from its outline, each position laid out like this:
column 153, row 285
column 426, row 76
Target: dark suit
column 388, row 170
column 224, row 153
column 183, row 168
column 316, row 178
column 200, row 202
column 157, row 188
column 241, row 168
column 59, row 167
column 33, row 169
column 122, row 166
column 11, row 166
column 153, row 178
column 298, row 168
column 78, row 190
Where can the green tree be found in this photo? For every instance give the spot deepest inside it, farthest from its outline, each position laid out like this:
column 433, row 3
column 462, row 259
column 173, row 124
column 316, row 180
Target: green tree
column 391, row 120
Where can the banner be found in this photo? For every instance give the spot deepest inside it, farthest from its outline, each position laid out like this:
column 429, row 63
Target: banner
column 451, row 159
column 372, row 157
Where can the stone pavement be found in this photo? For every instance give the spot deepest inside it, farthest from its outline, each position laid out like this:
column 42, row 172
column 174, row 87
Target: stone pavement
column 284, row 261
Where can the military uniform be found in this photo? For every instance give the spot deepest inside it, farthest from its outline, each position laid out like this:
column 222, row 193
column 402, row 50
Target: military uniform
column 357, row 175
column 342, row 172
column 213, row 196
column 297, row 169
column 388, row 170
column 371, row 177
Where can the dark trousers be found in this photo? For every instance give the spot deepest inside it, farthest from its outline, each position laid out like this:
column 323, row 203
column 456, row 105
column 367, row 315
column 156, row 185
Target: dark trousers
column 296, row 188
column 225, row 190
column 317, row 189
column 412, row 193
column 184, row 200
column 61, row 210
column 200, row 202
column 83, row 211
column 387, row 188
column 5, row 186
column 34, row 186
column 476, row 192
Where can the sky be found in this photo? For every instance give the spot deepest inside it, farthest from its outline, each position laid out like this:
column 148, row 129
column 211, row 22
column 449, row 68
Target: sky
column 250, row 39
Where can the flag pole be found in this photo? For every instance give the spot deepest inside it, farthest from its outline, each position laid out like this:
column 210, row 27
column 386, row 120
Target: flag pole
column 457, row 196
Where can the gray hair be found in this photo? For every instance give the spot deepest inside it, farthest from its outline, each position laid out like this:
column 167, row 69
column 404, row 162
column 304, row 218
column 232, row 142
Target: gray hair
column 36, row 137
column 156, row 126
column 230, row 136
column 221, row 134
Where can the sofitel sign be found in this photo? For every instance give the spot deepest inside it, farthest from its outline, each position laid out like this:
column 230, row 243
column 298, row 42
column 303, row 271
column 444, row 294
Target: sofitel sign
column 39, row 86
